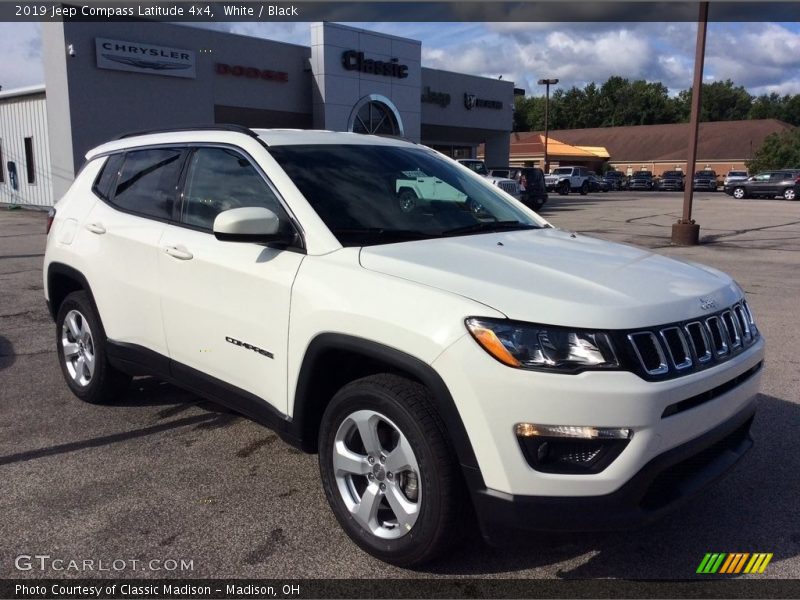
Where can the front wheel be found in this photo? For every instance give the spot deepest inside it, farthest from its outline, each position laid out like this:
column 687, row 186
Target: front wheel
column 738, row 193
column 584, row 188
column 563, row 188
column 388, row 471
column 789, row 194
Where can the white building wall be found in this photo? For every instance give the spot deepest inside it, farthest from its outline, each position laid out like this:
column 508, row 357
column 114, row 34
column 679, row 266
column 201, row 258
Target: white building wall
column 23, row 113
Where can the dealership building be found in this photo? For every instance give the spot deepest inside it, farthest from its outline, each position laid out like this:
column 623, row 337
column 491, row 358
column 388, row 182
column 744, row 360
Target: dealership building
column 106, row 79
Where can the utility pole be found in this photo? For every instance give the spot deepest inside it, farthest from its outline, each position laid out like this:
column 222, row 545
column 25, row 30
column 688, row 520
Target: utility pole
column 686, row 232
column 548, row 83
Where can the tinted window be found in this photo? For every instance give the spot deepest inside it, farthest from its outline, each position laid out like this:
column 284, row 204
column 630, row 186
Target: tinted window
column 2, row 169
column 147, row 182
column 107, row 177
column 219, row 179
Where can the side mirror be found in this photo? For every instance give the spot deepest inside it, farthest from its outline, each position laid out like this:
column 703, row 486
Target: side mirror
column 251, row 224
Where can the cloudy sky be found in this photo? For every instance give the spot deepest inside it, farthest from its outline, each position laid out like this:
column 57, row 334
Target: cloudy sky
column 764, row 57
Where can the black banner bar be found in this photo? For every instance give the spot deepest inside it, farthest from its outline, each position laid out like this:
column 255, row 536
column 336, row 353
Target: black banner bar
column 412, row 11
column 199, row 589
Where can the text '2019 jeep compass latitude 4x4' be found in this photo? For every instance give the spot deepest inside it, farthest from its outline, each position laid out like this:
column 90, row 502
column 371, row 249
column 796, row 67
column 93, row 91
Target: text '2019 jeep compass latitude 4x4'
column 456, row 351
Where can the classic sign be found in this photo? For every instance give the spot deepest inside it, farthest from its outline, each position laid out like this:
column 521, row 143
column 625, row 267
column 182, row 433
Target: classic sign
column 353, row 60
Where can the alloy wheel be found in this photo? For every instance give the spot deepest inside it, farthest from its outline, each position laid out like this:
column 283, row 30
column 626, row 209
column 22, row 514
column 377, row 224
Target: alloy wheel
column 78, row 346
column 377, row 474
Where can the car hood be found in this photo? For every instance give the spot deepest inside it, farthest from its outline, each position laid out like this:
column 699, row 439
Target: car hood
column 558, row 278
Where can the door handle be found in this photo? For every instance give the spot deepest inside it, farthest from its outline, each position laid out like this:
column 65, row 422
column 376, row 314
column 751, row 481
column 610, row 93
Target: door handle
column 96, row 228
column 179, row 252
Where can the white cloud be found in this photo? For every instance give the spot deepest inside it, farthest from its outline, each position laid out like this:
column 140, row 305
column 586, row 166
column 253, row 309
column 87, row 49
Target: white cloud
column 21, row 49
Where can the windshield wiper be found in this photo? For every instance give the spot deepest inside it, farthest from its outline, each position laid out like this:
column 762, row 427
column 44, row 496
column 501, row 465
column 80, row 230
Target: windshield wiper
column 490, row 226
column 385, row 232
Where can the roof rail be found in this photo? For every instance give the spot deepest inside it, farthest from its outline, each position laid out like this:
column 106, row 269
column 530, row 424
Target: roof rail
column 216, row 127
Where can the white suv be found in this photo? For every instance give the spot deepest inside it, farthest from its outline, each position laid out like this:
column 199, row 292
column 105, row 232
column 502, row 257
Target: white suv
column 457, row 352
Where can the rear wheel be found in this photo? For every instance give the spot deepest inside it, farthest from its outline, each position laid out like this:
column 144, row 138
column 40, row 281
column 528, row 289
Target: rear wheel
column 388, row 471
column 584, row 188
column 790, row 194
column 739, row 193
column 81, row 344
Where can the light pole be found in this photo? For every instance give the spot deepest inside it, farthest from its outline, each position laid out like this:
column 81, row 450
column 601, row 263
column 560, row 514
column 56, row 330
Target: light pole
column 547, row 83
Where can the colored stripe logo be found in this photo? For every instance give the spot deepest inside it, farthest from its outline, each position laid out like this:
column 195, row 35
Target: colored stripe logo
column 733, row 563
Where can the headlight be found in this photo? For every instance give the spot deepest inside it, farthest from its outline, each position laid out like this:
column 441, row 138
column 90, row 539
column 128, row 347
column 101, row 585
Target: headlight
column 540, row 347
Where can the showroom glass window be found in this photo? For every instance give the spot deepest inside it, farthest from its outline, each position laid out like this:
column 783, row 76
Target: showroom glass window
column 148, row 181
column 220, row 179
column 375, row 118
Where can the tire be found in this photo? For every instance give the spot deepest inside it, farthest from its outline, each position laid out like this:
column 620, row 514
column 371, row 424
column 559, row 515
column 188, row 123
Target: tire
column 790, row 194
column 81, row 346
column 563, row 188
column 584, row 188
column 391, row 410
column 407, row 200
column 739, row 193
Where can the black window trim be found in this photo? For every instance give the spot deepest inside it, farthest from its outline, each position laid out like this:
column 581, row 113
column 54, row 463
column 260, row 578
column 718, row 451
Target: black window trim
column 194, row 146
column 2, row 164
column 112, row 192
column 187, row 148
column 30, row 160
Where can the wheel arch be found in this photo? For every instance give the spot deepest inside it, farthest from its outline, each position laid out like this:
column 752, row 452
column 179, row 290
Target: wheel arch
column 62, row 280
column 333, row 360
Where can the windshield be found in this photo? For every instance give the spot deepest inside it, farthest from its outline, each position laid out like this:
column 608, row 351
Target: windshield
column 704, row 174
column 672, row 174
column 644, row 174
column 737, row 174
column 369, row 194
column 562, row 171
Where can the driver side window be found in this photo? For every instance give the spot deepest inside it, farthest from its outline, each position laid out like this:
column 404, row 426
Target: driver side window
column 219, row 179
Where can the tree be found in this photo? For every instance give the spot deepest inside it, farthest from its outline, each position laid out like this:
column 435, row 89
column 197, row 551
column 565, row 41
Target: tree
column 721, row 101
column 779, row 151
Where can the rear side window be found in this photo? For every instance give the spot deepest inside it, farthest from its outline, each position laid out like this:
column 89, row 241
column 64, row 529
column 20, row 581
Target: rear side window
column 148, row 181
column 107, row 177
column 220, row 179
column 30, row 167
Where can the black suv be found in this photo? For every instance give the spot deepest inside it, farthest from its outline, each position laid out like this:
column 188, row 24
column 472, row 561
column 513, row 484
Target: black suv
column 643, row 180
column 617, row 180
column 671, row 180
column 705, row 180
column 785, row 183
column 531, row 184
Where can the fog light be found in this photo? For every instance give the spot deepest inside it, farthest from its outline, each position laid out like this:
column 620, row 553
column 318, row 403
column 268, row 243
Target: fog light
column 570, row 449
column 571, row 431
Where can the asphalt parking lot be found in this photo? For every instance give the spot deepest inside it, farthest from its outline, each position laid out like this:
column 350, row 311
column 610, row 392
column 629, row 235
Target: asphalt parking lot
column 164, row 475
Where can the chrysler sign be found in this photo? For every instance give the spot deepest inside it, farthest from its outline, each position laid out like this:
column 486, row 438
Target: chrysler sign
column 144, row 58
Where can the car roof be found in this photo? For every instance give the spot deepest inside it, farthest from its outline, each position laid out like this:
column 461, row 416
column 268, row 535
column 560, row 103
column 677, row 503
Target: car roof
column 271, row 137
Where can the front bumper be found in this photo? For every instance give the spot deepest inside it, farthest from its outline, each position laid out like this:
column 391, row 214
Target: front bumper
column 661, row 485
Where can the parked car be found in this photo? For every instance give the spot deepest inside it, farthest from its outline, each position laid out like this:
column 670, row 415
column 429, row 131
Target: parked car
column 642, row 180
column 531, row 184
column 734, row 176
column 465, row 359
column 671, row 181
column 568, row 179
column 509, row 186
column 597, row 183
column 617, row 180
column 784, row 183
column 705, row 180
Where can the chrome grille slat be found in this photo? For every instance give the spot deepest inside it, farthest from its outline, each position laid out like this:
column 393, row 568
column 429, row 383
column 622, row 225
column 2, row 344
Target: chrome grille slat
column 682, row 348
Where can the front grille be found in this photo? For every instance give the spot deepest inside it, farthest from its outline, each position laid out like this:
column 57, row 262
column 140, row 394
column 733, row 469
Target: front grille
column 509, row 187
column 686, row 347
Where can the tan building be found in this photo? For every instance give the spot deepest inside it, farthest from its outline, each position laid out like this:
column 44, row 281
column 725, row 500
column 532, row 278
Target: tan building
column 722, row 146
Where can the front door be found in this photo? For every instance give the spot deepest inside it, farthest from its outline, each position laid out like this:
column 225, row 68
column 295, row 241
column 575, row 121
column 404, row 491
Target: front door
column 226, row 304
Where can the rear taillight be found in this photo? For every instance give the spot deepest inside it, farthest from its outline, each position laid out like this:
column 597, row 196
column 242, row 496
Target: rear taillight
column 797, row 181
column 50, row 216
column 523, row 181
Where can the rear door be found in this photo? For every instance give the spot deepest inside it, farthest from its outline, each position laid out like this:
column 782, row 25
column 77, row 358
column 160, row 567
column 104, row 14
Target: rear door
column 226, row 304
column 120, row 241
